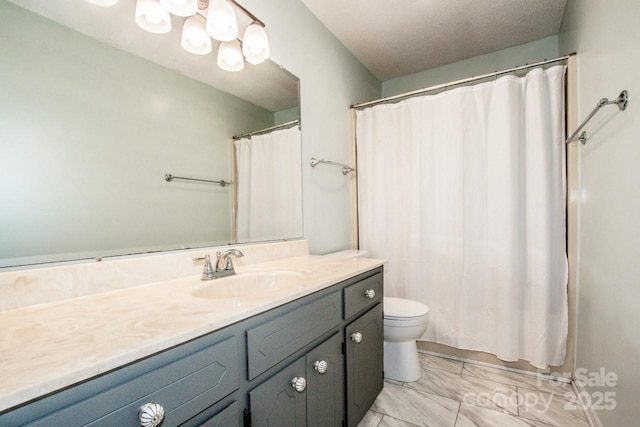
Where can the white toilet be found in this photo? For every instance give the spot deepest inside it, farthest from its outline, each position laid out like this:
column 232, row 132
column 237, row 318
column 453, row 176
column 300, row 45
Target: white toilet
column 404, row 322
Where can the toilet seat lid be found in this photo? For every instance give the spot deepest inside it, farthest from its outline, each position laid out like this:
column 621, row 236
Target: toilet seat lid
column 403, row 308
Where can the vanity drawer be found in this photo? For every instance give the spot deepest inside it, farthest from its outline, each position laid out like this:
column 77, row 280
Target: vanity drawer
column 356, row 299
column 184, row 386
column 279, row 338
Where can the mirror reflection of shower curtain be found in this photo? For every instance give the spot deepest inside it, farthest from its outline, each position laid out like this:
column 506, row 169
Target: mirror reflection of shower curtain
column 269, row 186
column 464, row 193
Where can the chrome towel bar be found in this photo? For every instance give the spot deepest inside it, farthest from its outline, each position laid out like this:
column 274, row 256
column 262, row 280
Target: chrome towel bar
column 621, row 101
column 345, row 168
column 168, row 177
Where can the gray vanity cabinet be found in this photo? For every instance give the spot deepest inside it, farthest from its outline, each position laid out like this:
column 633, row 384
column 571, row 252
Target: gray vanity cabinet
column 325, row 383
column 228, row 417
column 275, row 403
column 364, row 363
column 318, row 399
column 242, row 375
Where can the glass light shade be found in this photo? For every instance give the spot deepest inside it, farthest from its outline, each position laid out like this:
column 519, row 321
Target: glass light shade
column 255, row 44
column 104, row 2
column 180, row 7
column 221, row 21
column 151, row 16
column 195, row 38
column 230, row 57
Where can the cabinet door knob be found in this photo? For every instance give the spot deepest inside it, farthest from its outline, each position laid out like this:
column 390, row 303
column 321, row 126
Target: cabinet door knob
column 370, row 293
column 356, row 337
column 321, row 366
column 299, row 384
column 150, row 414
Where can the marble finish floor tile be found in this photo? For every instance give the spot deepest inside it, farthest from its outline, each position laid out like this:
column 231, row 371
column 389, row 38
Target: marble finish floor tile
column 474, row 416
column 468, row 389
column 550, row 408
column 457, row 394
column 371, row 419
column 388, row 421
column 429, row 361
column 515, row 379
column 415, row 407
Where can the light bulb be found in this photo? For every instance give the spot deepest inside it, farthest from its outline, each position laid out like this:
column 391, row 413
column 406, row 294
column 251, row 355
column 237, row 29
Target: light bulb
column 230, row 57
column 180, row 7
column 152, row 17
column 195, row 38
column 221, row 21
column 255, row 44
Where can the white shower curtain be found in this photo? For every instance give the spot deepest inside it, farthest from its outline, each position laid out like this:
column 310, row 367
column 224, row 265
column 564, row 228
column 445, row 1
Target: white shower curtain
column 269, row 186
column 464, row 193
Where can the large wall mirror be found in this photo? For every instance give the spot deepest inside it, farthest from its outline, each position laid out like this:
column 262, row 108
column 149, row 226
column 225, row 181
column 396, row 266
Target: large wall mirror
column 94, row 113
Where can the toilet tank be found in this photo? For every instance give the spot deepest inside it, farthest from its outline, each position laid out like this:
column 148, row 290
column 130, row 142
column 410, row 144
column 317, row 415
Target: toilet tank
column 350, row 253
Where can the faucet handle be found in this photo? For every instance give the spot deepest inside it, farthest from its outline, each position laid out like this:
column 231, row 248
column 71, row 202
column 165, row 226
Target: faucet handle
column 205, row 258
column 207, row 271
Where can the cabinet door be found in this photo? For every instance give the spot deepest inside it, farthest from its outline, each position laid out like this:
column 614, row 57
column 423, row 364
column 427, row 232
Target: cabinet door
column 364, row 363
column 325, row 387
column 228, row 417
column 275, row 403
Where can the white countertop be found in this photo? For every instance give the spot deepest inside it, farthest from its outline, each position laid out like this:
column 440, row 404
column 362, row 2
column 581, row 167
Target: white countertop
column 47, row 347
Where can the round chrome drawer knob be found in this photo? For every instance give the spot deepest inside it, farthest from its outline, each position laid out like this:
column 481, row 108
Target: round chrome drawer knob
column 356, row 337
column 370, row 293
column 150, row 414
column 299, row 384
column 321, row 366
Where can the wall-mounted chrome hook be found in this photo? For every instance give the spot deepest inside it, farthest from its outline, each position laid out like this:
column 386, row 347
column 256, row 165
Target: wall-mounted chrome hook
column 622, row 100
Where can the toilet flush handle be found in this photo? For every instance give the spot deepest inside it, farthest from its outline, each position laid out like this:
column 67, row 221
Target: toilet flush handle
column 356, row 337
column 370, row 293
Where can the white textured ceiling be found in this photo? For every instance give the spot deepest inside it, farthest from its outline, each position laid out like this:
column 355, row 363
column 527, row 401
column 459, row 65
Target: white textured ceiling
column 394, row 38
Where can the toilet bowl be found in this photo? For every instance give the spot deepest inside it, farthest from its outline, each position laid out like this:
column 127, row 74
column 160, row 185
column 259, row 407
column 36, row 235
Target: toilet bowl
column 404, row 321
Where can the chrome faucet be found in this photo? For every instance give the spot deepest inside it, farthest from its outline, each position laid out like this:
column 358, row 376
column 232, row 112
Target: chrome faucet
column 224, row 265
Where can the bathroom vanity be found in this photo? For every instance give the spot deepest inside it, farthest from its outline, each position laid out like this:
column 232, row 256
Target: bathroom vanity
column 311, row 356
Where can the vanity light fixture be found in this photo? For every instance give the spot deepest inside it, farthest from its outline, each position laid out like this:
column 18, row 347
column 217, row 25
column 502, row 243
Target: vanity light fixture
column 195, row 38
column 180, row 7
column 222, row 24
column 104, row 2
column 151, row 16
column 255, row 44
column 206, row 19
column 230, row 57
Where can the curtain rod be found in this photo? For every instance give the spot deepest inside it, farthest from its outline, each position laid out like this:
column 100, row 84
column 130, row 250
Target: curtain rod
column 459, row 82
column 258, row 132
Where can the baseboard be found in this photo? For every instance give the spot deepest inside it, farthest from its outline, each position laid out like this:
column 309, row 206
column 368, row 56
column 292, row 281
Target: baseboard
column 503, row 368
column 592, row 414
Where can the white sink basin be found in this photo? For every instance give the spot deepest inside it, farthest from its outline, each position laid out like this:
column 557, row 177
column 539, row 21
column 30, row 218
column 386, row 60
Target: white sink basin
column 248, row 284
